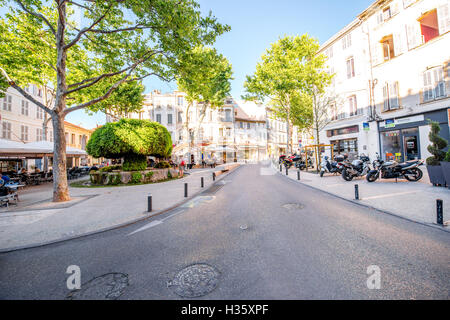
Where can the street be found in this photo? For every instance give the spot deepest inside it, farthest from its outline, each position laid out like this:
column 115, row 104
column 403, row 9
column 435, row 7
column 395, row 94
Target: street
column 256, row 236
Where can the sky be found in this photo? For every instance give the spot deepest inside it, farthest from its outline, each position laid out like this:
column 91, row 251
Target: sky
column 255, row 24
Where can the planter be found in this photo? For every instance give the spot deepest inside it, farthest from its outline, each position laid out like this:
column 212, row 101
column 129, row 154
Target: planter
column 446, row 172
column 436, row 175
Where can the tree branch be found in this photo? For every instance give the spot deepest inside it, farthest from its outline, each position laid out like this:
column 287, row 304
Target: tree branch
column 24, row 93
column 37, row 15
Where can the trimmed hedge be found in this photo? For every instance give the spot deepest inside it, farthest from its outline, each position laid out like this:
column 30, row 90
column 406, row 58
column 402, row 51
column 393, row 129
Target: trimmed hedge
column 132, row 140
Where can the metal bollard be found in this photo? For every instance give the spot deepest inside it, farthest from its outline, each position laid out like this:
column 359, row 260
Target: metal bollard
column 287, row 171
column 440, row 212
column 356, row 192
column 281, row 168
column 298, row 175
column 149, row 203
column 214, row 176
column 202, row 182
column 185, row 190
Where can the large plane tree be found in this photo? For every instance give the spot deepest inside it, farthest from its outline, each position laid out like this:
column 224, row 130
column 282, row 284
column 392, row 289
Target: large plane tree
column 85, row 50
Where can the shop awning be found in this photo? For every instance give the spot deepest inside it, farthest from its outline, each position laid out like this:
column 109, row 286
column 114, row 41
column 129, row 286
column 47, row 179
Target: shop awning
column 36, row 149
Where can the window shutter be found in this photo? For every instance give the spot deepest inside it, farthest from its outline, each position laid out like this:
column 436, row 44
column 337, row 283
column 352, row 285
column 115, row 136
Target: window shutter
column 376, row 51
column 414, row 35
column 398, row 43
column 444, row 18
column 395, row 9
column 393, row 96
column 386, row 97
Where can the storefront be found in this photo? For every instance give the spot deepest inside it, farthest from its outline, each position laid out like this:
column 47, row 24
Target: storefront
column 344, row 141
column 406, row 138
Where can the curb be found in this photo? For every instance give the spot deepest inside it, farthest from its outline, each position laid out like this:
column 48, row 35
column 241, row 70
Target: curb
column 122, row 225
column 432, row 225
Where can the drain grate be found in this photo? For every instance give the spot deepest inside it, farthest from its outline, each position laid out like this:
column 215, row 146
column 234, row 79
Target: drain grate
column 109, row 286
column 195, row 281
column 293, row 206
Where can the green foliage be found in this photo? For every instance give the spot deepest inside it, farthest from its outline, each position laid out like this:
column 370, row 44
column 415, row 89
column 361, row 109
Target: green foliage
column 114, row 179
column 162, row 165
column 130, row 137
column 110, row 168
column 148, row 176
column 134, row 162
column 437, row 146
column 136, row 177
column 204, row 75
column 447, row 156
column 169, row 174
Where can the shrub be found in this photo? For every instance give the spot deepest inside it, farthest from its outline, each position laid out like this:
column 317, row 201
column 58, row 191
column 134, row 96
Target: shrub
column 148, row 176
column 437, row 146
column 135, row 163
column 136, row 177
column 447, row 156
column 114, row 179
column 169, row 175
column 110, row 168
column 132, row 140
column 162, row 165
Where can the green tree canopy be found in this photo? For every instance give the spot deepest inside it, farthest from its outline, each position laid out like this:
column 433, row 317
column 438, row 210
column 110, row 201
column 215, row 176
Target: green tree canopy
column 129, row 137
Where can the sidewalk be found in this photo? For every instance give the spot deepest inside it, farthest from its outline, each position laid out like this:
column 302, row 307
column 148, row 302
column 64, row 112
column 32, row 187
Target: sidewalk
column 413, row 200
column 37, row 220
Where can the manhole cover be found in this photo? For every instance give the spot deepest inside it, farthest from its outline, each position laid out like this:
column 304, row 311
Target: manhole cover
column 293, row 206
column 106, row 287
column 195, row 281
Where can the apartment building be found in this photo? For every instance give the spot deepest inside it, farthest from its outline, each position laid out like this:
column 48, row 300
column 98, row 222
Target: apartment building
column 391, row 68
column 76, row 137
column 277, row 136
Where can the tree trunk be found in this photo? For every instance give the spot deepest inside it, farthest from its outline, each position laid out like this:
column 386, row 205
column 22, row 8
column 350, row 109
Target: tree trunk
column 60, row 186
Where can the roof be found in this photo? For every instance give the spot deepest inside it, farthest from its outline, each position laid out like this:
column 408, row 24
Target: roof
column 66, row 123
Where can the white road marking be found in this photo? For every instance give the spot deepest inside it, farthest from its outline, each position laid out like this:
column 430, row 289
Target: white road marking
column 147, row 226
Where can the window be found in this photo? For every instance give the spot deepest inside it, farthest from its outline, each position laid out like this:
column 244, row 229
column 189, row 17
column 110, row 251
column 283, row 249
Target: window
column 241, row 125
column 50, row 135
column 353, row 106
column 24, row 133
column 390, row 96
column 429, row 27
column 248, row 125
column 7, row 102
column 39, row 134
column 25, row 108
column 80, row 139
column 350, row 68
column 6, row 130
column 333, row 109
column 387, row 13
column 158, row 117
column 221, row 132
column 329, row 52
column 347, row 41
column 433, row 84
column 180, row 117
column 388, row 47
column 72, row 138
column 39, row 92
column 169, row 118
column 180, row 101
column 228, row 115
column 39, row 113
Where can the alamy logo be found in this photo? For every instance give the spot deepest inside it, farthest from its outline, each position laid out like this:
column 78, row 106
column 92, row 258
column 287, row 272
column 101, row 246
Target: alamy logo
column 74, row 280
column 374, row 279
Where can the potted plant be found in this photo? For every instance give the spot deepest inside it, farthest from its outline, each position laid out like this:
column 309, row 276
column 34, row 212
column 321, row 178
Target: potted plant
column 436, row 147
column 446, row 168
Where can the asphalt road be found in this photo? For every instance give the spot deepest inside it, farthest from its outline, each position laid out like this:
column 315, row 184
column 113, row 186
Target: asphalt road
column 265, row 236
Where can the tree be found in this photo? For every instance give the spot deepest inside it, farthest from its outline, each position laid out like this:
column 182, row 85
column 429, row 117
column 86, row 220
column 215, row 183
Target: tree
column 132, row 140
column 437, row 146
column 204, row 75
column 289, row 69
column 120, row 41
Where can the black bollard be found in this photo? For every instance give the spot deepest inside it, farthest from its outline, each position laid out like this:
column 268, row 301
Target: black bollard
column 202, row 182
column 281, row 168
column 298, row 175
column 149, row 203
column 185, row 190
column 356, row 192
column 287, row 171
column 214, row 176
column 440, row 212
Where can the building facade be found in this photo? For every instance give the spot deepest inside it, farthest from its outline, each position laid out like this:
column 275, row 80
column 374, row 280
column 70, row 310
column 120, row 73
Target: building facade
column 391, row 69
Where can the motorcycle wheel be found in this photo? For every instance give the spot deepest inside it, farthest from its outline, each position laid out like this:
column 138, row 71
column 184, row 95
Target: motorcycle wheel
column 417, row 174
column 346, row 175
column 321, row 174
column 372, row 177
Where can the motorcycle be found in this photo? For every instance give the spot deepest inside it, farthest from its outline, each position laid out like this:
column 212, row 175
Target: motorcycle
column 288, row 162
column 332, row 167
column 392, row 169
column 301, row 164
column 358, row 168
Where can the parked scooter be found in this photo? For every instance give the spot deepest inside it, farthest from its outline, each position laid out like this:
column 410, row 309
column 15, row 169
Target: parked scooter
column 358, row 168
column 392, row 169
column 332, row 167
column 292, row 160
column 302, row 164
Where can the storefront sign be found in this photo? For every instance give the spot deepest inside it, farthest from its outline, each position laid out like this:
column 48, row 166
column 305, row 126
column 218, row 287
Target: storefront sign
column 366, row 126
column 390, row 123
